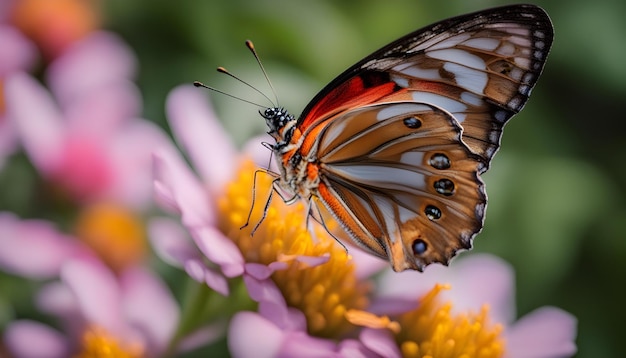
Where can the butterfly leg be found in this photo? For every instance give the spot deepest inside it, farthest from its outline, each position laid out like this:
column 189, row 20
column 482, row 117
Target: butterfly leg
column 275, row 189
column 313, row 208
column 254, row 196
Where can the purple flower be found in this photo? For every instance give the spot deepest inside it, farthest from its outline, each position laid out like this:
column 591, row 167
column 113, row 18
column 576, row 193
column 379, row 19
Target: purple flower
column 481, row 284
column 132, row 313
column 313, row 298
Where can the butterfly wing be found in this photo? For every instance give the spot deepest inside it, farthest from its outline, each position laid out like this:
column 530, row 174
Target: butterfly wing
column 480, row 67
column 413, row 195
column 402, row 182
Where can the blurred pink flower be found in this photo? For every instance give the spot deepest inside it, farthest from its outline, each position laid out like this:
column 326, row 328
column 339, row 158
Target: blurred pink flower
column 35, row 248
column 17, row 53
column 133, row 313
column 90, row 144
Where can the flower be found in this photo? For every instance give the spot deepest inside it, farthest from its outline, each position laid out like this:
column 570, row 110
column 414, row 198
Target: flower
column 129, row 315
column 305, row 283
column 17, row 54
column 474, row 315
column 315, row 299
column 179, row 191
column 90, row 146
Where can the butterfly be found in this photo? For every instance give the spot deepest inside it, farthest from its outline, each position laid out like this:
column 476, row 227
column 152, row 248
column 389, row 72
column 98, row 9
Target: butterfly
column 393, row 148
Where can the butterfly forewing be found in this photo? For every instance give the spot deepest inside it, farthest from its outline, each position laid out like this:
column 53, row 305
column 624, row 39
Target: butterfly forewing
column 384, row 163
column 480, row 67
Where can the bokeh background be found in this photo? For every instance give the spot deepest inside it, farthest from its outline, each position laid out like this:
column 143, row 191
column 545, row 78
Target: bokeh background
column 556, row 188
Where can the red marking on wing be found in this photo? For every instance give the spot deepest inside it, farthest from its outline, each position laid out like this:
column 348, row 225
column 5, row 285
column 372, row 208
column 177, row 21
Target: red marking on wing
column 357, row 91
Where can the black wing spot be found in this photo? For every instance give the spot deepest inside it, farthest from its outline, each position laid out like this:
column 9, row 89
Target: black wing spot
column 444, row 187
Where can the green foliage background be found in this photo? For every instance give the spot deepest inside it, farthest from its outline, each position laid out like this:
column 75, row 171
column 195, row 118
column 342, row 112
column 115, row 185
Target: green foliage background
column 556, row 211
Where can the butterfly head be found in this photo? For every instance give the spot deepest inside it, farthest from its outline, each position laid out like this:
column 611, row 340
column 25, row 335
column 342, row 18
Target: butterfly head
column 280, row 123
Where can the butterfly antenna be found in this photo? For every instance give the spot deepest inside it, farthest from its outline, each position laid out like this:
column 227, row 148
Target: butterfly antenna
column 226, row 72
column 200, row 84
column 250, row 46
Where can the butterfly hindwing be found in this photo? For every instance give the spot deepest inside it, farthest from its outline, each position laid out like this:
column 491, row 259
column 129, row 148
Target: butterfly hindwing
column 399, row 172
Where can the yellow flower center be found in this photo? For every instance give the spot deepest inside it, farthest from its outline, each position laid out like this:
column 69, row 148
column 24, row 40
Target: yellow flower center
column 431, row 330
column 98, row 343
column 324, row 293
column 114, row 233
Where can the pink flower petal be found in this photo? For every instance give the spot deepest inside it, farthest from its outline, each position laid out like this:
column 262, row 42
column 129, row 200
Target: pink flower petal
column 30, row 339
column 55, row 298
column 545, row 332
column 97, row 292
column 102, row 111
column 263, row 290
column 177, row 185
column 255, row 149
column 36, row 119
column 18, row 53
column 34, row 248
column 285, row 318
column 219, row 249
column 131, row 151
column 216, row 281
column 203, row 336
column 258, row 271
column 300, row 344
column 244, row 339
column 365, row 264
column 354, row 348
column 150, row 307
column 100, row 59
column 201, row 135
column 171, row 242
column 380, row 341
column 197, row 270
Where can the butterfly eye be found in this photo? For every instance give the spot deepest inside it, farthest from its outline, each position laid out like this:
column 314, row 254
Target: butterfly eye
column 419, row 247
column 439, row 161
column 444, row 187
column 412, row 122
column 432, row 212
column 269, row 113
